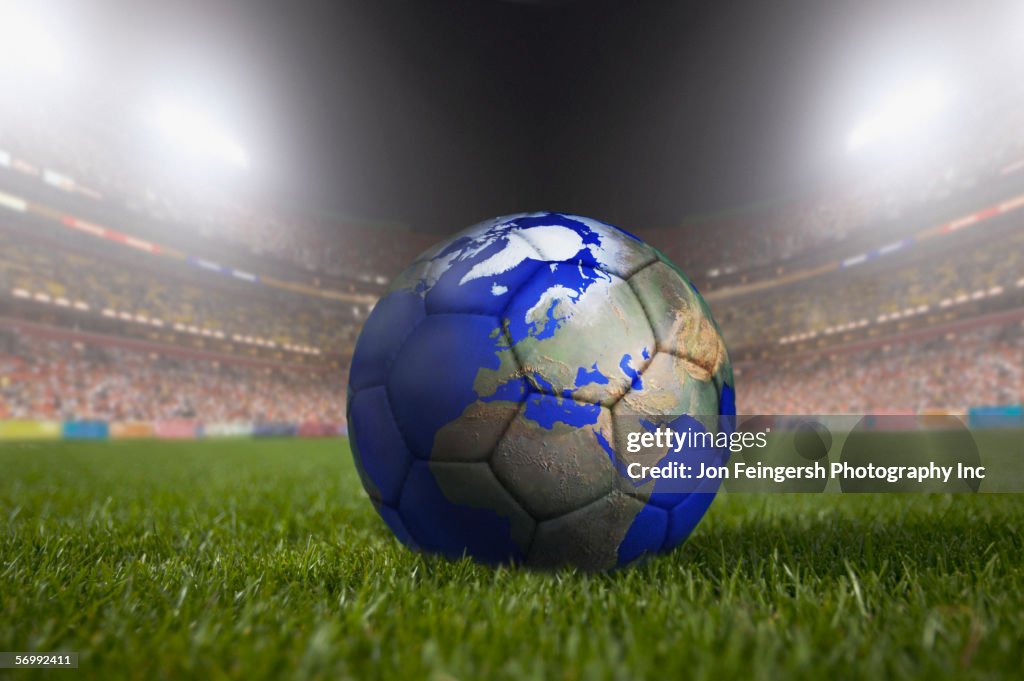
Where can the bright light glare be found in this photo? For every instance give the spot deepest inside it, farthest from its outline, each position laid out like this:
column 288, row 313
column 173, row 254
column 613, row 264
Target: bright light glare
column 26, row 44
column 196, row 132
column 900, row 114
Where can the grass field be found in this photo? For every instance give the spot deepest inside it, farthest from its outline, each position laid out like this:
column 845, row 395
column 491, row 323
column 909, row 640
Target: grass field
column 265, row 560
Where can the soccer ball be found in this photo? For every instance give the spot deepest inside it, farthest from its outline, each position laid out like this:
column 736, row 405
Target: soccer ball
column 494, row 384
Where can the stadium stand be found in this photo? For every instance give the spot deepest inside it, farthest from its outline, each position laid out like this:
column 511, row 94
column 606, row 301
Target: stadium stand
column 949, row 372
column 963, row 275
column 874, row 296
column 51, row 378
column 35, row 271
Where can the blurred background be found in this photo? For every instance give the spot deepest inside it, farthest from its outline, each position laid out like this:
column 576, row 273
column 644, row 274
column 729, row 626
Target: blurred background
column 200, row 202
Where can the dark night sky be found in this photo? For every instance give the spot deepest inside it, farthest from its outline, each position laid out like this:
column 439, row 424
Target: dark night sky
column 440, row 112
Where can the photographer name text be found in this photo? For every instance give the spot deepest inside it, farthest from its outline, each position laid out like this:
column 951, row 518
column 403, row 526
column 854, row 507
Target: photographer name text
column 816, row 471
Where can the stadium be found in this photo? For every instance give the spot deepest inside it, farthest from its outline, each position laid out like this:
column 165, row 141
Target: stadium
column 175, row 346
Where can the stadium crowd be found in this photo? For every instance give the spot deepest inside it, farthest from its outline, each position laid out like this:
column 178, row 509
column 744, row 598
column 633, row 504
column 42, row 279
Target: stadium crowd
column 984, row 366
column 64, row 379
column 202, row 300
column 907, row 286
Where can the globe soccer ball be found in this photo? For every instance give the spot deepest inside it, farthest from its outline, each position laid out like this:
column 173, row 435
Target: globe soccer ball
column 492, row 386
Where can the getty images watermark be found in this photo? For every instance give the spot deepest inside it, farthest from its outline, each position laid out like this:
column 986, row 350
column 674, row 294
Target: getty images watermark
column 819, row 453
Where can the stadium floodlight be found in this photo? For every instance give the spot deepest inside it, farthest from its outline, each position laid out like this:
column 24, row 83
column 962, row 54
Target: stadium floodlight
column 899, row 114
column 196, row 132
column 28, row 47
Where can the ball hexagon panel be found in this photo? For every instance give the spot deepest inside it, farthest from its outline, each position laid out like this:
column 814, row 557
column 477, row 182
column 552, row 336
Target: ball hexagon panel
column 678, row 317
column 551, row 465
column 393, row 520
column 480, row 289
column 437, row 522
column 612, row 339
column 475, row 435
column 394, row 317
column 684, row 515
column 723, row 376
column 587, row 537
column 671, row 386
column 435, row 371
column 374, row 430
column 474, row 485
column 647, row 534
column 555, row 242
